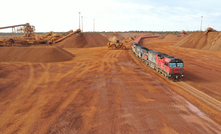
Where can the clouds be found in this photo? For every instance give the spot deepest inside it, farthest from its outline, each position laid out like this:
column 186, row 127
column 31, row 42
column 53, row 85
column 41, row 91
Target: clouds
column 112, row 15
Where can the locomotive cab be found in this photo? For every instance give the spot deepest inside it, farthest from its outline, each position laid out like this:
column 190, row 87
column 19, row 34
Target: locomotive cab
column 176, row 69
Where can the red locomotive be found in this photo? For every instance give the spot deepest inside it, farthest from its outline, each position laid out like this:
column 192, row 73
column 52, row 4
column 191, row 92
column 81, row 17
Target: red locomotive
column 171, row 67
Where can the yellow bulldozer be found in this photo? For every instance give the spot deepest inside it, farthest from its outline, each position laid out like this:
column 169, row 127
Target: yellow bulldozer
column 116, row 45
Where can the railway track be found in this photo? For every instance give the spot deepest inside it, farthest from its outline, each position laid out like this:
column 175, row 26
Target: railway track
column 200, row 95
column 209, row 104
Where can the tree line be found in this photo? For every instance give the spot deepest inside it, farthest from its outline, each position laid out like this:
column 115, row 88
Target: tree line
column 106, row 32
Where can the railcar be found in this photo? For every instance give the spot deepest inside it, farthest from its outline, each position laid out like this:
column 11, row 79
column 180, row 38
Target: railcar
column 171, row 67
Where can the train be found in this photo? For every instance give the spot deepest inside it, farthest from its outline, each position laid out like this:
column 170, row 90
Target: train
column 169, row 66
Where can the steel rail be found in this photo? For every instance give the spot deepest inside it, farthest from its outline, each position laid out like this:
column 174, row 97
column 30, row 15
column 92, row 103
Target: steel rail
column 201, row 95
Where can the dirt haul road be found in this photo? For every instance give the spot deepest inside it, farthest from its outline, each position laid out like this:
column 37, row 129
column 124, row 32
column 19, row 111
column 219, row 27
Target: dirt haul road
column 99, row 91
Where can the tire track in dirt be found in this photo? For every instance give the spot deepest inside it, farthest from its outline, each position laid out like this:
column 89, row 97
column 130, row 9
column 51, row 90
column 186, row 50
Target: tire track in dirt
column 48, row 101
column 110, row 101
column 78, row 72
column 86, row 113
column 109, row 61
column 135, row 96
column 27, row 101
column 70, row 78
column 106, row 92
column 8, row 113
column 33, row 99
column 90, row 103
column 170, row 88
column 108, row 104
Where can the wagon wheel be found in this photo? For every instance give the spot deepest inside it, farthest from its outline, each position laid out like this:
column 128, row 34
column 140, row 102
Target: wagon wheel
column 113, row 46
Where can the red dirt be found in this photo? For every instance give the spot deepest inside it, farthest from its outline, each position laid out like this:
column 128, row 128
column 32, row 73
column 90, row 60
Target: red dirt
column 171, row 37
column 84, row 40
column 202, row 68
column 114, row 37
column 106, row 91
column 121, row 36
column 125, row 35
column 201, row 40
column 34, row 54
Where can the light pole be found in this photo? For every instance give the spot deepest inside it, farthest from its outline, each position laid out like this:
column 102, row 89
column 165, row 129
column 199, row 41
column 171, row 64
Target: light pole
column 79, row 20
column 82, row 23
column 201, row 23
column 94, row 25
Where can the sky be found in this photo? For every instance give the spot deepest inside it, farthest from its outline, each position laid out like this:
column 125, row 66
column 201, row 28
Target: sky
column 112, row 15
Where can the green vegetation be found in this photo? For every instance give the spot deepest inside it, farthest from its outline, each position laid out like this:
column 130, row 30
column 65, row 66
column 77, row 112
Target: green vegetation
column 158, row 32
column 107, row 32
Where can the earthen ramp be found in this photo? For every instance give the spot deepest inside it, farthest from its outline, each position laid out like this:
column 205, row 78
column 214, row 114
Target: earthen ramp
column 84, row 40
column 171, row 37
column 202, row 40
column 34, row 54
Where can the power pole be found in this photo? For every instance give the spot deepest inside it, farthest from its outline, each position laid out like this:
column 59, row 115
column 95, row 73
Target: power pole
column 82, row 23
column 94, row 26
column 79, row 20
column 201, row 23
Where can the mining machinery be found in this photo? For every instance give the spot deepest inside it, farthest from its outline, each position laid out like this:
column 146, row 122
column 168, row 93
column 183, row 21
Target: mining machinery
column 116, row 45
column 27, row 38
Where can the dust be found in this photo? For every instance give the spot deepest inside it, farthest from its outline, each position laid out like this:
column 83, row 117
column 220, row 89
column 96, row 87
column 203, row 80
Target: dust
column 113, row 39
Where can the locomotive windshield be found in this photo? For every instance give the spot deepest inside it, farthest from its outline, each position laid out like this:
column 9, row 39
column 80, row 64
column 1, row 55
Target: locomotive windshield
column 179, row 64
column 172, row 64
column 175, row 64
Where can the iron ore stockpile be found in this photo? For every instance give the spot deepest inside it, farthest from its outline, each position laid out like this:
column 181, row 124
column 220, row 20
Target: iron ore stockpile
column 202, row 40
column 34, row 54
column 84, row 40
column 171, row 37
column 74, row 84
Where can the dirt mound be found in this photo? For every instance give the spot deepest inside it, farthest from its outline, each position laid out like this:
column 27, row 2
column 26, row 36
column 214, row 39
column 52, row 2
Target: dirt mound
column 84, row 40
column 162, row 36
column 34, row 54
column 125, row 35
column 201, row 40
column 171, row 37
column 114, row 37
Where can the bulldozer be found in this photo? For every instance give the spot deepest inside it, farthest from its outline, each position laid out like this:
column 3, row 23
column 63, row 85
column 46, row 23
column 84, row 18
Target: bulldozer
column 184, row 32
column 117, row 45
column 209, row 29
